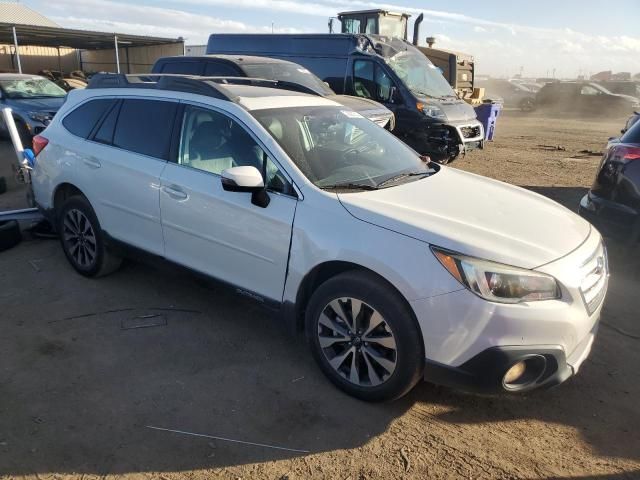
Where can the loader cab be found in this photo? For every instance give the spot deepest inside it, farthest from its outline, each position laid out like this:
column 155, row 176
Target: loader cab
column 376, row 22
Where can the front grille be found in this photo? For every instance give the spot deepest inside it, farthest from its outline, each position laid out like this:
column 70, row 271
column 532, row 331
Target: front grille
column 596, row 276
column 470, row 132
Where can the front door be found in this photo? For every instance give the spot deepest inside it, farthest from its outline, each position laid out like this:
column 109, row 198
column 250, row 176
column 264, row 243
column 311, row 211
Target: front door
column 221, row 233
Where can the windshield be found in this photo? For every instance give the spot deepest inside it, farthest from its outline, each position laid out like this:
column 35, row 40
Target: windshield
column 288, row 72
column 392, row 26
column 419, row 75
column 600, row 88
column 336, row 147
column 31, row 88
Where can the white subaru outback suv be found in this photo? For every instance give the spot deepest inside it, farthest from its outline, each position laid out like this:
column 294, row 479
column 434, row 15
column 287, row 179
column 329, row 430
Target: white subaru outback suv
column 395, row 268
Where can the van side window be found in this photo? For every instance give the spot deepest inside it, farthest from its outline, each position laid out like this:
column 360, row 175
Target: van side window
column 212, row 142
column 81, row 121
column 371, row 81
column 145, row 126
column 219, row 69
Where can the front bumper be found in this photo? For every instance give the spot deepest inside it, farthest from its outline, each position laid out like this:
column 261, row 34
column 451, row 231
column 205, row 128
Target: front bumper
column 470, row 343
column 484, row 373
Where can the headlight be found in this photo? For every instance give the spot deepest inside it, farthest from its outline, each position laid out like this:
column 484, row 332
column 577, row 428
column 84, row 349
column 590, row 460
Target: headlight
column 496, row 282
column 433, row 111
column 41, row 117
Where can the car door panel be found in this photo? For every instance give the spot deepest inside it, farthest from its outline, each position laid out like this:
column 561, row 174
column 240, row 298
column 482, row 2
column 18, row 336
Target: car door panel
column 217, row 232
column 222, row 234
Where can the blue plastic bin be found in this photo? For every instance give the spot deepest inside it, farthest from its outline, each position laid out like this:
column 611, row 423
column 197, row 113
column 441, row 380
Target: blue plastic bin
column 487, row 114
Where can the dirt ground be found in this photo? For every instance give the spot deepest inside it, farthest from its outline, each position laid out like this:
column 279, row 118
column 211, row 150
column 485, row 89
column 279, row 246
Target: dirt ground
column 80, row 387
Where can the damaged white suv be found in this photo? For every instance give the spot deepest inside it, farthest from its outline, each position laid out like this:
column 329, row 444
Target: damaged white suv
column 395, row 268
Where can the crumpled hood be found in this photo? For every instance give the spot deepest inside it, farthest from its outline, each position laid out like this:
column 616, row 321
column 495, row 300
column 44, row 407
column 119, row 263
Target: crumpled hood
column 474, row 215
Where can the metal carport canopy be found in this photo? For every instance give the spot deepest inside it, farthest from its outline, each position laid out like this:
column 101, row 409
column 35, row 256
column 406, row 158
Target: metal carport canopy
column 78, row 39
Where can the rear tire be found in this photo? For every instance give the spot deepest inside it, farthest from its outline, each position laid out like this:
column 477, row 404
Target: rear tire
column 364, row 337
column 82, row 239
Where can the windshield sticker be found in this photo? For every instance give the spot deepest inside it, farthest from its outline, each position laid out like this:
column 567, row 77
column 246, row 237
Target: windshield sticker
column 351, row 114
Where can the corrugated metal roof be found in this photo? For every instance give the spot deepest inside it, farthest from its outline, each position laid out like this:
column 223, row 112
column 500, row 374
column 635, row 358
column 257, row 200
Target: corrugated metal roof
column 19, row 14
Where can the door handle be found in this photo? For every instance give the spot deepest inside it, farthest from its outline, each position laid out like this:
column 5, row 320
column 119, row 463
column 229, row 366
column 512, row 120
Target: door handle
column 92, row 162
column 175, row 192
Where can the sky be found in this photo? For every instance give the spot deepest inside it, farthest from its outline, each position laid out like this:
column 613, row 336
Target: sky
column 537, row 37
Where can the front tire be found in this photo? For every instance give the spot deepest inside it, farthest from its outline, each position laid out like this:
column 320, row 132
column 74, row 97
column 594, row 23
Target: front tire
column 82, row 239
column 364, row 337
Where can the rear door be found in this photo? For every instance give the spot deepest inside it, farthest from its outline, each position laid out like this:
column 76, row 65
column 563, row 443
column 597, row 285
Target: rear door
column 129, row 149
column 220, row 233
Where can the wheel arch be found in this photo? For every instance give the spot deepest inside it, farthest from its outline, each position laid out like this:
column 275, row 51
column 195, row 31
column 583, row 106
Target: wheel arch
column 62, row 192
column 320, row 274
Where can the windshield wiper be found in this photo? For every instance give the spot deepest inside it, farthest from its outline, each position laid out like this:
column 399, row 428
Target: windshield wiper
column 349, row 186
column 404, row 175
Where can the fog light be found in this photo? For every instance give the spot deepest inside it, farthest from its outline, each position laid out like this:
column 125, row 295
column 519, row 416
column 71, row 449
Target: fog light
column 514, row 373
column 525, row 374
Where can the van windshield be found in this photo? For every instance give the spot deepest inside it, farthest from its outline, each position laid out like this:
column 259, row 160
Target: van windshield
column 338, row 148
column 288, row 72
column 420, row 76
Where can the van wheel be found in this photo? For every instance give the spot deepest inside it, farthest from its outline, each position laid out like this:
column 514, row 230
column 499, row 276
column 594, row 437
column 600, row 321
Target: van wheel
column 364, row 337
column 82, row 239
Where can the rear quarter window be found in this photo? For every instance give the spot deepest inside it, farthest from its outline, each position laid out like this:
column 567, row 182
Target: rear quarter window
column 145, row 126
column 83, row 119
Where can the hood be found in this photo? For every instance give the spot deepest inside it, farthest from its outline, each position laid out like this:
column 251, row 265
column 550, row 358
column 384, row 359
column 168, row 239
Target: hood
column 458, row 110
column 370, row 109
column 628, row 98
column 475, row 216
column 360, row 104
column 35, row 104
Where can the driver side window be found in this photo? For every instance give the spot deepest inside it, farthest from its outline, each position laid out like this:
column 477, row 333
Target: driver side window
column 371, row 81
column 212, row 142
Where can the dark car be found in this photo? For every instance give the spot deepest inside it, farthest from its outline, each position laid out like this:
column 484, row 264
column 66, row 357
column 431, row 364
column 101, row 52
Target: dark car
column 33, row 101
column 272, row 69
column 613, row 203
column 510, row 94
column 584, row 98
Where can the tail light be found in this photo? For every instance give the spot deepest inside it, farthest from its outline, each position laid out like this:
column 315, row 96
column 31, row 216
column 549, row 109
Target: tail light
column 624, row 153
column 39, row 142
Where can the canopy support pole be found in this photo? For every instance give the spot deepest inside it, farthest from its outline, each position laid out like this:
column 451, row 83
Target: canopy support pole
column 115, row 39
column 16, row 46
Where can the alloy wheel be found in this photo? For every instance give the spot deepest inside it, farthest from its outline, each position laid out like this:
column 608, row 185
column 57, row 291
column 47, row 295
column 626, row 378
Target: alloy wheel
column 357, row 342
column 79, row 238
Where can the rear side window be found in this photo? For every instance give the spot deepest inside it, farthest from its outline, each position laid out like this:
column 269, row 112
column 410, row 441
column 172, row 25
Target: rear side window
column 633, row 134
column 185, row 68
column 218, row 69
column 145, row 126
column 81, row 121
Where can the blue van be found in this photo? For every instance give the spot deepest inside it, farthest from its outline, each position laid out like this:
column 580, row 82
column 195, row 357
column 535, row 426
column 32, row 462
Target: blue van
column 429, row 115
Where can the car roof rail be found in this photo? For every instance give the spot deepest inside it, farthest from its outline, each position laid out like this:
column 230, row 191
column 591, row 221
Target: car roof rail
column 163, row 81
column 262, row 82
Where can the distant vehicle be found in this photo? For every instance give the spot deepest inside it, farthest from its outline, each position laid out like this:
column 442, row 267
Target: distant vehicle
column 300, row 78
column 429, row 115
column 458, row 68
column 622, row 87
column 33, row 100
column 585, row 98
column 613, row 203
column 511, row 94
column 75, row 79
column 395, row 268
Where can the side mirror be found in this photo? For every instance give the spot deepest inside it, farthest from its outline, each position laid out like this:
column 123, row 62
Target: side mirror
column 246, row 179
